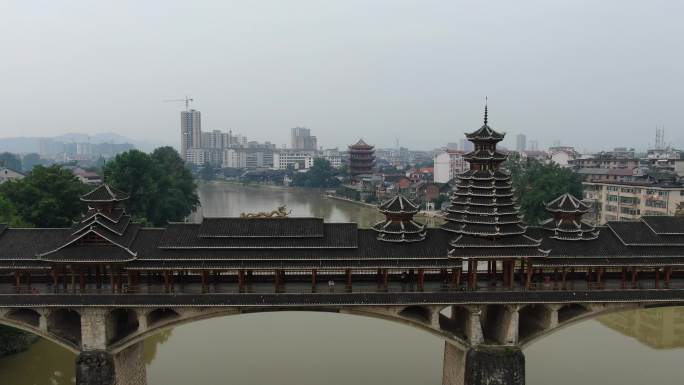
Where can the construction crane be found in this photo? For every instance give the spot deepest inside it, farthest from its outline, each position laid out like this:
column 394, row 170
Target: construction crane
column 187, row 101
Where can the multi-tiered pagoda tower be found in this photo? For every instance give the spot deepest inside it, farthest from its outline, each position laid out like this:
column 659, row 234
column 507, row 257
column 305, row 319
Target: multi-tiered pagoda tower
column 361, row 158
column 399, row 225
column 566, row 223
column 483, row 214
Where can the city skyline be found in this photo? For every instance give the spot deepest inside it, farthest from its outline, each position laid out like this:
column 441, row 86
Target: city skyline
column 420, row 78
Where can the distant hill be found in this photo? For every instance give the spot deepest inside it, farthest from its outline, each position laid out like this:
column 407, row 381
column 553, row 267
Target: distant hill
column 24, row 144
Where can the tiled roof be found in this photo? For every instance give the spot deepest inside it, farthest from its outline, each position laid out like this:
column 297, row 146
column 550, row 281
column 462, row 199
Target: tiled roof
column 485, row 133
column 187, row 236
column 567, row 203
column 640, row 234
column 398, row 205
column 104, row 193
column 261, row 227
column 663, row 225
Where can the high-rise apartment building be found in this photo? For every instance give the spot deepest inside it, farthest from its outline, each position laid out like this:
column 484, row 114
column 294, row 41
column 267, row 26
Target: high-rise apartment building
column 302, row 139
column 520, row 142
column 191, row 131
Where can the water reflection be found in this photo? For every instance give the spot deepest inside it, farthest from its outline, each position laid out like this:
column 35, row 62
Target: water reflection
column 661, row 328
column 46, row 363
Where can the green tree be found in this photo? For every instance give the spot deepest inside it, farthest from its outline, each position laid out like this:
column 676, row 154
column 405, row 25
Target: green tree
column 321, row 174
column 9, row 160
column 161, row 187
column 45, row 197
column 538, row 183
column 207, row 172
column 30, row 161
column 9, row 215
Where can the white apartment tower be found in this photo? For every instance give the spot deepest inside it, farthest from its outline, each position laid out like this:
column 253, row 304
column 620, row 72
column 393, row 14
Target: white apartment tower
column 521, row 142
column 303, row 140
column 191, row 131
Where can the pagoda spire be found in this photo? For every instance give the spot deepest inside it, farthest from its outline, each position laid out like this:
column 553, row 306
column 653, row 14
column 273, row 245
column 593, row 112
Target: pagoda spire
column 485, row 114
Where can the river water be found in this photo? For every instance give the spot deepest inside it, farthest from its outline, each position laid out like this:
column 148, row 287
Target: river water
column 302, row 348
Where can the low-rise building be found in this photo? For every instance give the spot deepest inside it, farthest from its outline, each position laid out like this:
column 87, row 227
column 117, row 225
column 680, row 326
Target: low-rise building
column 300, row 160
column 334, row 156
column 197, row 156
column 7, row 174
column 448, row 164
column 612, row 201
column 592, row 174
column 234, row 158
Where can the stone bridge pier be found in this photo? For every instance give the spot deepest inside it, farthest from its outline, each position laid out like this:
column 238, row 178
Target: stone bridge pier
column 490, row 354
column 95, row 365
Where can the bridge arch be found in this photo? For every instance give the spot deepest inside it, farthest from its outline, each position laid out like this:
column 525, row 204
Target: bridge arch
column 24, row 319
column 160, row 319
column 65, row 323
column 121, row 322
column 568, row 315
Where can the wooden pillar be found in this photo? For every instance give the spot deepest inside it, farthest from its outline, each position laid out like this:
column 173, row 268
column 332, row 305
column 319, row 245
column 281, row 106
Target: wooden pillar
column 348, row 273
column 118, row 281
column 241, row 280
column 458, row 276
column 528, row 278
column 471, row 274
column 17, row 280
column 204, row 276
column 421, row 278
column 111, row 278
column 73, row 279
column 167, row 281
column 385, row 279
column 81, row 280
column 634, row 276
column 28, row 279
column 455, row 275
column 506, row 277
column 130, row 274
column 277, row 282
column 623, row 278
column 564, row 276
column 657, row 278
column 64, row 278
column 668, row 276
column 55, row 279
column 314, row 279
column 98, row 277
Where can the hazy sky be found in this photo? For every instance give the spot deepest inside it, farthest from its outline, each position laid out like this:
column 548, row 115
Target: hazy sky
column 594, row 74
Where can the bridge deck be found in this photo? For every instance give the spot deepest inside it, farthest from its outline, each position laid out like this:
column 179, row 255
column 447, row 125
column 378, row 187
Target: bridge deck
column 354, row 298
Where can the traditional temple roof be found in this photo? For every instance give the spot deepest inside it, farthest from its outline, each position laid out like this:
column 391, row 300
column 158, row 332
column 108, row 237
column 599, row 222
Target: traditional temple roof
column 567, row 203
column 361, row 145
column 262, row 228
column 483, row 210
column 399, row 225
column 398, row 205
column 566, row 223
column 107, row 228
column 104, row 193
column 485, row 133
column 663, row 225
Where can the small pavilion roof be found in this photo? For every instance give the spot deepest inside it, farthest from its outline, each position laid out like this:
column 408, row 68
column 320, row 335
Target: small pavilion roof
column 567, row 203
column 104, row 193
column 398, row 205
column 361, row 145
